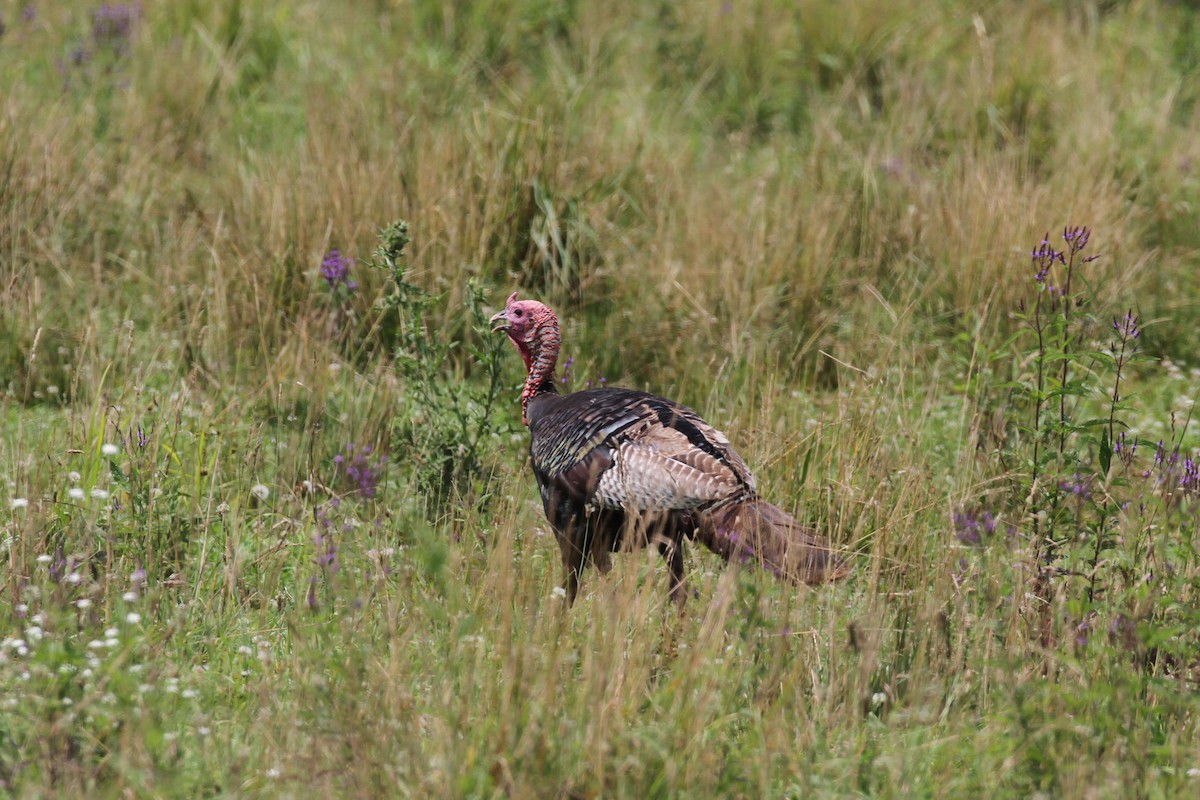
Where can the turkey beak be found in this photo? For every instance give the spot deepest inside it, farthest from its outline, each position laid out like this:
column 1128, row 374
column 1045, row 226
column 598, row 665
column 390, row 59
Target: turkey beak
column 500, row 321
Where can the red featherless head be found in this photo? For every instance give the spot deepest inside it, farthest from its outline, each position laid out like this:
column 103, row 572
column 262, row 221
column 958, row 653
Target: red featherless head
column 533, row 328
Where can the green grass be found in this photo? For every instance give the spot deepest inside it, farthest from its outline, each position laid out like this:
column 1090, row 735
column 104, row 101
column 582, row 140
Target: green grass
column 811, row 222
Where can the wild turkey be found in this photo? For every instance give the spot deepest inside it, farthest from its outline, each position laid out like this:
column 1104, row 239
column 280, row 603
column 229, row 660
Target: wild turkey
column 619, row 468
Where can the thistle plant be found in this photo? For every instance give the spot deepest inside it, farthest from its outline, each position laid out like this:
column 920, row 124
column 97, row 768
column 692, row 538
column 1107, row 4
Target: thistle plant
column 445, row 433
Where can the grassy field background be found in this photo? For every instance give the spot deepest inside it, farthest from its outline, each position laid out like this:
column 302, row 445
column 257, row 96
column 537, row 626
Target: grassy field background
column 264, row 537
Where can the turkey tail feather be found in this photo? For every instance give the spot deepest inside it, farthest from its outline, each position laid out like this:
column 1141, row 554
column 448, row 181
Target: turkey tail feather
column 755, row 531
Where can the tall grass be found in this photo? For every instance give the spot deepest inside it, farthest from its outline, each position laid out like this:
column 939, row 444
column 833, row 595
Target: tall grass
column 810, row 221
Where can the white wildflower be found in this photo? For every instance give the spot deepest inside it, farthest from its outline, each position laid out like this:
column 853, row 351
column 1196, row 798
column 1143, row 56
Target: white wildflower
column 99, row 494
column 73, row 577
column 558, row 592
column 260, row 491
column 20, row 502
column 83, row 602
column 109, row 449
column 129, row 597
column 133, row 618
column 111, row 632
column 74, row 476
column 75, row 493
column 34, row 634
column 45, row 558
column 203, row 730
column 273, row 772
column 189, row 694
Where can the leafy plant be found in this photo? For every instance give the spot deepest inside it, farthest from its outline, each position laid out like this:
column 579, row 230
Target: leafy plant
column 445, row 431
column 1105, row 529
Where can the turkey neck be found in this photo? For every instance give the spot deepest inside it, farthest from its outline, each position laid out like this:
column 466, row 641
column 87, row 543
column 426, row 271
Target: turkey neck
column 540, row 389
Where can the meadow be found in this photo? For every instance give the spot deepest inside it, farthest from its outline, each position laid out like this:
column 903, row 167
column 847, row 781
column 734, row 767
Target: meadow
column 268, row 525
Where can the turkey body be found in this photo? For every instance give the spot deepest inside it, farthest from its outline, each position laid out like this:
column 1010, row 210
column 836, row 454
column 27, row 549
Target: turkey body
column 620, row 469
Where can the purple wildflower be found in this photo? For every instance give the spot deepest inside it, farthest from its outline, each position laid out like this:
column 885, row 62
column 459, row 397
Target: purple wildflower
column 1125, row 449
column 112, row 26
column 971, row 526
column 959, row 575
column 1076, row 238
column 1079, row 486
column 1044, row 256
column 335, row 269
column 327, row 552
column 361, row 469
column 1127, row 328
column 1083, row 630
column 1191, row 475
column 966, row 528
column 58, row 566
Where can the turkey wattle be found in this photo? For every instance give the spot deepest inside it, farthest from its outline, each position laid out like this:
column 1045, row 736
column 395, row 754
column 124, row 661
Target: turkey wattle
column 619, row 468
